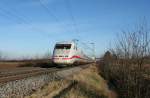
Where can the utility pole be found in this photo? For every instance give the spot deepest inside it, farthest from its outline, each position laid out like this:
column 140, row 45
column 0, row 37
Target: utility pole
column 76, row 41
column 93, row 48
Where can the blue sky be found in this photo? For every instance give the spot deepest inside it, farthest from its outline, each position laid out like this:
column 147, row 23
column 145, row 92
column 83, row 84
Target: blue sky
column 28, row 27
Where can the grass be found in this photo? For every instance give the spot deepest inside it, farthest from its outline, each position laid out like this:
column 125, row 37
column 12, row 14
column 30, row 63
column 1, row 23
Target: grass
column 85, row 84
column 10, row 64
column 50, row 90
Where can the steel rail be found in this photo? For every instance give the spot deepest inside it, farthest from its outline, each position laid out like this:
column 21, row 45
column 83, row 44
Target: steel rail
column 25, row 74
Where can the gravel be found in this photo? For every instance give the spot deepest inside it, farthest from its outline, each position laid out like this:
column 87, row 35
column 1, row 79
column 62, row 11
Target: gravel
column 26, row 86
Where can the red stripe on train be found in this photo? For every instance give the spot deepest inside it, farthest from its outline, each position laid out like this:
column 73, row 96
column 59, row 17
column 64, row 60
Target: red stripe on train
column 71, row 57
column 75, row 56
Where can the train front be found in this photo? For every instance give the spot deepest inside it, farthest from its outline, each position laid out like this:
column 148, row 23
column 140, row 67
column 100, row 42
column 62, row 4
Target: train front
column 61, row 54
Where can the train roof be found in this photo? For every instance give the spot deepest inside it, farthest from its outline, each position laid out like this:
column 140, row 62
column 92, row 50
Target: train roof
column 65, row 42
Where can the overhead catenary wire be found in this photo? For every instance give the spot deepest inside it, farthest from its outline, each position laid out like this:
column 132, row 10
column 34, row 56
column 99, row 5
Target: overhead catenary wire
column 51, row 14
column 4, row 15
column 73, row 20
column 11, row 14
column 84, row 46
column 20, row 19
column 74, row 24
column 48, row 10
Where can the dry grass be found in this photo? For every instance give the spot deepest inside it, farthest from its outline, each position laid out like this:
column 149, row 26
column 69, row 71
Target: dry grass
column 91, row 79
column 26, row 63
column 50, row 90
column 128, row 80
column 85, row 84
column 10, row 64
column 90, row 85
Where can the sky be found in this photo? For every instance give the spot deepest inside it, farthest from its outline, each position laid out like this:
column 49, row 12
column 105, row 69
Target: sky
column 32, row 27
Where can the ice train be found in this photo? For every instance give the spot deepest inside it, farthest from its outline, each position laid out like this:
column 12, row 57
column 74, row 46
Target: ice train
column 68, row 53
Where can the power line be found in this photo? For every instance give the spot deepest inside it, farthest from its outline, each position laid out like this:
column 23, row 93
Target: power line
column 20, row 19
column 86, row 46
column 68, row 6
column 4, row 15
column 51, row 14
column 8, row 13
column 48, row 10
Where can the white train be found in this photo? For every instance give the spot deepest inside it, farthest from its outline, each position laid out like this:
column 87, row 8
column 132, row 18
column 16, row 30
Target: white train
column 67, row 53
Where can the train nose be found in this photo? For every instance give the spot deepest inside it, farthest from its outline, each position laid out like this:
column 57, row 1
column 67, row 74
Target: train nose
column 62, row 60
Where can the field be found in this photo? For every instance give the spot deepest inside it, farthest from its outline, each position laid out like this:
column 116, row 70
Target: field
column 25, row 63
column 10, row 64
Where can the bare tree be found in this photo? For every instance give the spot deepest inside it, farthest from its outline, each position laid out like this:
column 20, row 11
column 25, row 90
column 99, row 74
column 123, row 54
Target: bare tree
column 128, row 67
column 134, row 45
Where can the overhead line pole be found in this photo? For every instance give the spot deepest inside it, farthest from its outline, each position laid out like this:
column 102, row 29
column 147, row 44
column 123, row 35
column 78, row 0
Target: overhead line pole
column 93, row 45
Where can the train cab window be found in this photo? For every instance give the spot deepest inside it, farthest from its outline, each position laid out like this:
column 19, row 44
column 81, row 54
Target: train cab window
column 63, row 46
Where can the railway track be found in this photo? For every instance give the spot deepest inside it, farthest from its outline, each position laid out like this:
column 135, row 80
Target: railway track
column 21, row 73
